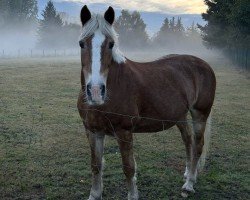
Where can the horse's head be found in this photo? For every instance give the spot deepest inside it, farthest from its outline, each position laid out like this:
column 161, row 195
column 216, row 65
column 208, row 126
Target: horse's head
column 99, row 51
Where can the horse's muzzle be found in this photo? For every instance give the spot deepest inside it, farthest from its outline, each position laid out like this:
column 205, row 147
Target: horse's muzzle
column 95, row 94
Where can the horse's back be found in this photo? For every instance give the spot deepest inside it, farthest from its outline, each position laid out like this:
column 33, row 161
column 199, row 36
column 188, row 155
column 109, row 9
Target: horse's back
column 201, row 73
column 176, row 83
column 196, row 72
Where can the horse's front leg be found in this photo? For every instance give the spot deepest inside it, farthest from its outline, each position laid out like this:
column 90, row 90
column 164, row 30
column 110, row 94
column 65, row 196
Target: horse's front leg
column 96, row 141
column 125, row 141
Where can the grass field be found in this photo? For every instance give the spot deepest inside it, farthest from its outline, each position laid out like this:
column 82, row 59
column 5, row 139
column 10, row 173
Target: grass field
column 44, row 153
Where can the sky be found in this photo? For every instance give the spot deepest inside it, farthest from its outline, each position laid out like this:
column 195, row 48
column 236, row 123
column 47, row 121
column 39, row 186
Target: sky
column 163, row 6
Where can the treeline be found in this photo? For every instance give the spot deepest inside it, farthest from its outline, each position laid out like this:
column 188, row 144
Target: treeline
column 20, row 27
column 53, row 32
column 17, row 14
column 172, row 34
column 130, row 27
column 228, row 29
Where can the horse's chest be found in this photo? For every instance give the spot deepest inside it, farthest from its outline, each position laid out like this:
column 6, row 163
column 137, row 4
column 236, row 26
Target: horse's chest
column 108, row 123
column 95, row 122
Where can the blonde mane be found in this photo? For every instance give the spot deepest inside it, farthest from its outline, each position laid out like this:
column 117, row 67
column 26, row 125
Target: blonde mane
column 96, row 22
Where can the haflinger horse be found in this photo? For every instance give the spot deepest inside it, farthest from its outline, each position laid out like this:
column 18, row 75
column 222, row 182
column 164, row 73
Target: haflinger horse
column 120, row 97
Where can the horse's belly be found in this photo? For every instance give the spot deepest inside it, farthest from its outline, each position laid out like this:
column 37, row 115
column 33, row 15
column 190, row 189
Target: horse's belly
column 149, row 125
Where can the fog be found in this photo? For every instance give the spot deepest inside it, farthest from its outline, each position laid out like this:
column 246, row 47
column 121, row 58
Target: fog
column 21, row 43
column 153, row 51
column 16, row 43
column 25, row 41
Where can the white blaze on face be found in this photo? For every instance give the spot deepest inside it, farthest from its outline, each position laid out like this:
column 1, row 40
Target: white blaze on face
column 96, row 78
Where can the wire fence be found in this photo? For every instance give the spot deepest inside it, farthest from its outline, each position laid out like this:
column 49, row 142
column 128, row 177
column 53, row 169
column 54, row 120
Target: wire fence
column 44, row 123
column 36, row 115
column 38, row 53
column 37, row 125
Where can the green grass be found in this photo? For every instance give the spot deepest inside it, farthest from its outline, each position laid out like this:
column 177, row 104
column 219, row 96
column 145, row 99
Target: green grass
column 44, row 153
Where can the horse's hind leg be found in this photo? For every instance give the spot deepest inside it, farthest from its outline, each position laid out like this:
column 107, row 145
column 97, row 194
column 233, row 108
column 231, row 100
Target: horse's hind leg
column 96, row 141
column 199, row 125
column 125, row 141
column 186, row 134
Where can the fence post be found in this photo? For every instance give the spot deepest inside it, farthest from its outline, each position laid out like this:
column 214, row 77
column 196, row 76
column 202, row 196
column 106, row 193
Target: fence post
column 246, row 63
column 3, row 52
column 31, row 53
column 43, row 53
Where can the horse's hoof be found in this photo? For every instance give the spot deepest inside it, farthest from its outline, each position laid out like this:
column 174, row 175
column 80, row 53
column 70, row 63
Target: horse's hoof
column 188, row 186
column 93, row 198
column 184, row 194
column 187, row 189
column 133, row 197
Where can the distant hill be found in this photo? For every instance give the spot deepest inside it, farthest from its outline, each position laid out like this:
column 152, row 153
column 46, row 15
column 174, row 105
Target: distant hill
column 153, row 20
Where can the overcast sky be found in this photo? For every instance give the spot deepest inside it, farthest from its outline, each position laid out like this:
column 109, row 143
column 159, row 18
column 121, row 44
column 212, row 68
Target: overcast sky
column 164, row 6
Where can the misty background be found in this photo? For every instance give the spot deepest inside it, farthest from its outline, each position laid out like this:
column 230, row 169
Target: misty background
column 31, row 28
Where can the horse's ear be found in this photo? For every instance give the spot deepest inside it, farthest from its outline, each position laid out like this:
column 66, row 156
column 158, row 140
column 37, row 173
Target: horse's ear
column 110, row 15
column 85, row 15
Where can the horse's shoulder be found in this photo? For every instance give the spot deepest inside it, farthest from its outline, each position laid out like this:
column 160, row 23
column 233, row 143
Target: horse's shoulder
column 178, row 57
column 169, row 56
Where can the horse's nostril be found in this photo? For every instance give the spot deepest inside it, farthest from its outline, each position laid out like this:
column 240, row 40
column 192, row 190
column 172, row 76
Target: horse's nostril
column 88, row 89
column 102, row 88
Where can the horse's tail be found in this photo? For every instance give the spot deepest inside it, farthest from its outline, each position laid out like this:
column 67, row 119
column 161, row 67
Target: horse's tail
column 205, row 149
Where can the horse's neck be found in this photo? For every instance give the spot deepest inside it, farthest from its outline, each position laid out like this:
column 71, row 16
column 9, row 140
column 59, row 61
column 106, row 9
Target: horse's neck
column 121, row 76
column 120, row 72
column 82, row 81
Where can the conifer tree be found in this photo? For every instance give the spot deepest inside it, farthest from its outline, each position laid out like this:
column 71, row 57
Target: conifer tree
column 228, row 29
column 172, row 25
column 162, row 37
column 50, row 29
column 179, row 29
column 20, row 14
column 132, row 30
column 192, row 31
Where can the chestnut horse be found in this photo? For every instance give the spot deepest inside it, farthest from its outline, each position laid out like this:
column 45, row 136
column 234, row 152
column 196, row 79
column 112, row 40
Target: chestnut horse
column 120, row 97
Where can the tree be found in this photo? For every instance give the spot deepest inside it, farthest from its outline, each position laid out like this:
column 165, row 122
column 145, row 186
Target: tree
column 179, row 28
column 193, row 37
column 50, row 30
column 240, row 23
column 71, row 34
column 227, row 28
column 193, row 32
column 162, row 37
column 172, row 25
column 131, row 29
column 171, row 34
column 214, row 33
column 4, row 9
column 21, row 14
column 139, row 29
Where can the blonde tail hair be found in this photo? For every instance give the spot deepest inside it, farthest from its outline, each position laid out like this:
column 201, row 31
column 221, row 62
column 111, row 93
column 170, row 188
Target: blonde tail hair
column 207, row 136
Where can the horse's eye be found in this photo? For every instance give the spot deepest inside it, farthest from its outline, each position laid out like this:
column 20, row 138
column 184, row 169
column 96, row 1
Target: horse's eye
column 81, row 44
column 111, row 45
